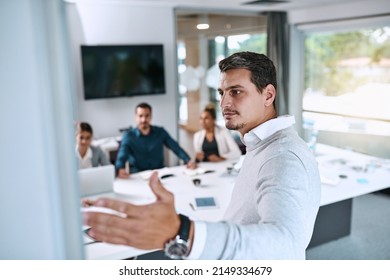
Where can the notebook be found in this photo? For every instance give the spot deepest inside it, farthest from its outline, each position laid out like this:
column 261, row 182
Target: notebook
column 96, row 180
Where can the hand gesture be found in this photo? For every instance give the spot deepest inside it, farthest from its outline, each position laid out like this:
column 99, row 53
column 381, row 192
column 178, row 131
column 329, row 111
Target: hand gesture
column 142, row 226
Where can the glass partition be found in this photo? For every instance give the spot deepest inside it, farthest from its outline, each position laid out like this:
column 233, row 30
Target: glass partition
column 199, row 51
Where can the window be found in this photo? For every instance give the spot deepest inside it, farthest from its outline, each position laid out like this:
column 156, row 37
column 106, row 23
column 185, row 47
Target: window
column 347, row 80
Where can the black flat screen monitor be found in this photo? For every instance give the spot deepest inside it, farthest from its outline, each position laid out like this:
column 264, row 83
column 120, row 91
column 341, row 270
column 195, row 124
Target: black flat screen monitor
column 122, row 71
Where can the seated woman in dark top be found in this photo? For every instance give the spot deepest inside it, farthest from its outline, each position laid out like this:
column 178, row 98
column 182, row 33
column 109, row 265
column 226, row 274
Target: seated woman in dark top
column 214, row 143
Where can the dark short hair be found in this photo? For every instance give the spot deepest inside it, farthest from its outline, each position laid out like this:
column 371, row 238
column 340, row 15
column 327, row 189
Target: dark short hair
column 143, row 105
column 262, row 69
column 84, row 126
column 210, row 108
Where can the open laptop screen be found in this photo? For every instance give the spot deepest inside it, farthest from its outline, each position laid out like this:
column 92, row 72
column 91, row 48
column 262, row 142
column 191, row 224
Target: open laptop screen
column 96, row 180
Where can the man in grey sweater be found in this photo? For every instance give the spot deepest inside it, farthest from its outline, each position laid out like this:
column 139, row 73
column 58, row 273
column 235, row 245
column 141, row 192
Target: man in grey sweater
column 275, row 199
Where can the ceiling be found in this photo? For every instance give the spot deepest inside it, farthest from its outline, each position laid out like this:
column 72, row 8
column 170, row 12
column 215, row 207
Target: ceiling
column 244, row 5
column 219, row 25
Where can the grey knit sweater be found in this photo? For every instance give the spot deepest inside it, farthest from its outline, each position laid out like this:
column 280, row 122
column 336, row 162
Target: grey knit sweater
column 274, row 203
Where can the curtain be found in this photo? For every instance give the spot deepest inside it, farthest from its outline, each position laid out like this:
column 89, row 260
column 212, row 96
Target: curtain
column 278, row 52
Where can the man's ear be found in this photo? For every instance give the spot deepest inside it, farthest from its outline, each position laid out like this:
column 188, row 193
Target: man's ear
column 270, row 94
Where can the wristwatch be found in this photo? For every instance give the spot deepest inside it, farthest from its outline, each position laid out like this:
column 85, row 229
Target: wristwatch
column 178, row 248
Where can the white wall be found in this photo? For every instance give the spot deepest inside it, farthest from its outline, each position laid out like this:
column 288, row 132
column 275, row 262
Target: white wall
column 39, row 199
column 118, row 23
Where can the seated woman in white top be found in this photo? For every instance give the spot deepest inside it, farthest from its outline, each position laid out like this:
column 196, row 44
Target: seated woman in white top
column 214, row 143
column 89, row 156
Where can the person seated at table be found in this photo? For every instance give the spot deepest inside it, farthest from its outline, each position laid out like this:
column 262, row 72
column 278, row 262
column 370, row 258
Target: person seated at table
column 142, row 146
column 214, row 143
column 88, row 155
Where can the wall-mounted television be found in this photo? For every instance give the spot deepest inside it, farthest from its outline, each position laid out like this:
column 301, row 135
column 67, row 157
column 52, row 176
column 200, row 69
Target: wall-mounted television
column 122, row 70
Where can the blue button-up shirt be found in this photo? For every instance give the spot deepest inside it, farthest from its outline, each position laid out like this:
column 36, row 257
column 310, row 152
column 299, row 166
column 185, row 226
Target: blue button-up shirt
column 145, row 152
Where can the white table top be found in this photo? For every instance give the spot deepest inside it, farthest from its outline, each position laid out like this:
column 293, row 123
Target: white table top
column 364, row 174
column 218, row 184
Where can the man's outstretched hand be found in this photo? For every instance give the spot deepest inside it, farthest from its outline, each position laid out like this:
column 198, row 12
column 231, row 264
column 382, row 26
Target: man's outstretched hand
column 143, row 226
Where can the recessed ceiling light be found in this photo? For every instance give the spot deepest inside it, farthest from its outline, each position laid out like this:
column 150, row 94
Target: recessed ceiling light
column 202, row 26
column 203, row 22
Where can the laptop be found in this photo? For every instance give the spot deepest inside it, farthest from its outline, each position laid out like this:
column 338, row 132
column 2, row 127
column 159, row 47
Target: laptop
column 96, row 180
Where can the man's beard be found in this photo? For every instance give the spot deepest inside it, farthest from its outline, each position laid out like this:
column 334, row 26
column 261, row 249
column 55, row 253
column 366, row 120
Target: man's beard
column 233, row 126
column 145, row 125
column 229, row 123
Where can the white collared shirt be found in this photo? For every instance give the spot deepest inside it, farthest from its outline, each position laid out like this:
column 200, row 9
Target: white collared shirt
column 251, row 138
column 86, row 161
column 267, row 129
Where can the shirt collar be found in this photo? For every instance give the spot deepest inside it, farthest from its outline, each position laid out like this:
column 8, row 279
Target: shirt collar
column 88, row 154
column 267, row 128
column 138, row 131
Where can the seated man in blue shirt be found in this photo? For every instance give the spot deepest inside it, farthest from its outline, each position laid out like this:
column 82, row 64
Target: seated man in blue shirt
column 142, row 146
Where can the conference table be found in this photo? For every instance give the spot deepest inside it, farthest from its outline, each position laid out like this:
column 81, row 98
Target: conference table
column 215, row 181
column 344, row 175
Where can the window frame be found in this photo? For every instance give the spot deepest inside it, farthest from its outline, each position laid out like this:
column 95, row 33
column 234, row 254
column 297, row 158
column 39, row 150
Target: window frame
column 376, row 145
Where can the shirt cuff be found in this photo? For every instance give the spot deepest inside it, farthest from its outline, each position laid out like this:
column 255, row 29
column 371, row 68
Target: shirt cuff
column 199, row 241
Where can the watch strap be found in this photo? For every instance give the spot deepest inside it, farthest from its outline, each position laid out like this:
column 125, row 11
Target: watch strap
column 184, row 229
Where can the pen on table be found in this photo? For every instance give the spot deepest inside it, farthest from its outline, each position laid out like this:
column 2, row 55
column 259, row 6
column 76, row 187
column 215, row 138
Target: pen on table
column 192, row 206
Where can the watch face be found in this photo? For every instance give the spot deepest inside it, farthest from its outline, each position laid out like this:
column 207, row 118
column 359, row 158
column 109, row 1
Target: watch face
column 176, row 249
